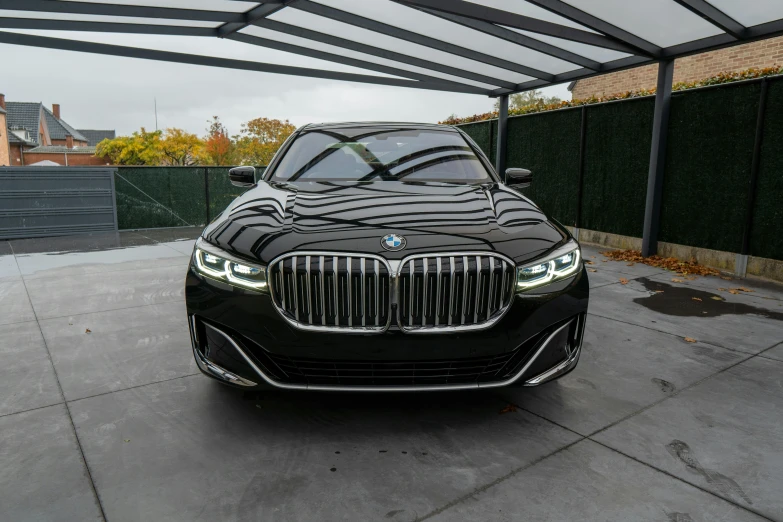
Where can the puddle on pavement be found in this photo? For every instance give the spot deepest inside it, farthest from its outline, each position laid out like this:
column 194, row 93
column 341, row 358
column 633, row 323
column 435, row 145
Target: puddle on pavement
column 678, row 300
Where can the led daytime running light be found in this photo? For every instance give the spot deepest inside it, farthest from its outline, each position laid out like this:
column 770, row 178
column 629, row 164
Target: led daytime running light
column 235, row 273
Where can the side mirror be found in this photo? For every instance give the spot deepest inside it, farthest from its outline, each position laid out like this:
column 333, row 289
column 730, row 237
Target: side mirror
column 521, row 178
column 242, row 176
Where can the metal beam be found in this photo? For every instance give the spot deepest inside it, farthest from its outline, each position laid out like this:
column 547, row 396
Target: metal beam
column 517, row 38
column 410, row 36
column 526, row 23
column 104, row 27
column 714, row 16
column 502, row 147
column 257, row 13
column 226, row 63
column 87, row 8
column 560, row 8
column 577, row 74
column 336, row 58
column 336, row 41
column 652, row 209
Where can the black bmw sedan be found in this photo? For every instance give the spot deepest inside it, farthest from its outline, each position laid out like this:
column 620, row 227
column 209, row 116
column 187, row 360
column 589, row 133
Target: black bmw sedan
column 384, row 257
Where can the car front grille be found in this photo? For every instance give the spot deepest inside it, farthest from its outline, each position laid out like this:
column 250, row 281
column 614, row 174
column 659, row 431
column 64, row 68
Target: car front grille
column 356, row 292
column 443, row 292
column 332, row 291
column 397, row 373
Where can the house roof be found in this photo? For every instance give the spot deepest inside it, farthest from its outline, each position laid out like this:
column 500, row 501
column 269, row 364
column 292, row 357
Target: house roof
column 59, row 129
column 59, row 149
column 24, row 115
column 94, row 137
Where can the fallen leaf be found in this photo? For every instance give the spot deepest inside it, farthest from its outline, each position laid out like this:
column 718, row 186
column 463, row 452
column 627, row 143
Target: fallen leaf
column 592, row 270
column 658, row 291
column 508, row 409
column 743, row 289
column 88, row 331
column 668, row 263
column 604, row 261
column 690, row 340
column 696, row 298
column 588, row 262
column 675, row 280
column 127, row 440
column 630, row 264
column 721, row 289
column 732, row 291
column 717, row 298
column 623, row 281
column 727, row 278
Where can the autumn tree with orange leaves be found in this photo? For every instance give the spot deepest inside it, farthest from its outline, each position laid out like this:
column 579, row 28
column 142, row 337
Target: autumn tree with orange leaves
column 218, row 146
column 260, row 139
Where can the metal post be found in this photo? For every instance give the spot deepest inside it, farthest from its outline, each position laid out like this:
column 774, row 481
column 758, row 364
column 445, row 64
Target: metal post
column 582, row 153
column 652, row 211
column 500, row 158
column 206, row 191
column 755, row 167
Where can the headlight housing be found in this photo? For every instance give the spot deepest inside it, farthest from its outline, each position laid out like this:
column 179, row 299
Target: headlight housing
column 563, row 262
column 217, row 264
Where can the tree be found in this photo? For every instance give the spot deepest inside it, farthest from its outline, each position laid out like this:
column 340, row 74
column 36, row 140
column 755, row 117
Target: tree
column 182, row 148
column 218, row 146
column 140, row 148
column 260, row 139
column 524, row 99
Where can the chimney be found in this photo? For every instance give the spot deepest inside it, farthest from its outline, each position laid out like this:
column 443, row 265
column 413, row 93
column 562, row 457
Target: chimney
column 68, row 138
column 56, row 110
column 2, row 101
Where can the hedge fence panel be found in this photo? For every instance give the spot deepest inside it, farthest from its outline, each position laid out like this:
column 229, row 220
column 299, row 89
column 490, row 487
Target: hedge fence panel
column 548, row 145
column 617, row 159
column 153, row 197
column 708, row 163
column 481, row 132
column 766, row 239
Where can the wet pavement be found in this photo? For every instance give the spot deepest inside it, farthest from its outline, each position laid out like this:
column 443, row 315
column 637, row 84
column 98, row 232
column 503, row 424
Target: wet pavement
column 673, row 414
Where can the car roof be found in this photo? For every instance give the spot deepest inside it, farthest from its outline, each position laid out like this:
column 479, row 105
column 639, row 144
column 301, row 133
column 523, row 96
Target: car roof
column 378, row 124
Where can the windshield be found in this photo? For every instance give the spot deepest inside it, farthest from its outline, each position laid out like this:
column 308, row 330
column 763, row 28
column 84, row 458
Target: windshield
column 381, row 154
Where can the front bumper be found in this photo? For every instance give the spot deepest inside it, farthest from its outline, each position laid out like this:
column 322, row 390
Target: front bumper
column 240, row 339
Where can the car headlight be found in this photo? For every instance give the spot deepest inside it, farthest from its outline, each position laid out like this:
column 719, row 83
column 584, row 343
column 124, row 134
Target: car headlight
column 564, row 262
column 215, row 263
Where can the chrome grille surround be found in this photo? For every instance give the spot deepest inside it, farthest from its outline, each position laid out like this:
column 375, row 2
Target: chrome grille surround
column 332, row 291
column 433, row 296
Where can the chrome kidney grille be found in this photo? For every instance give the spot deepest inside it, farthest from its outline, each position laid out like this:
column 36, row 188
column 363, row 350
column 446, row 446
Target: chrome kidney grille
column 454, row 292
column 355, row 292
column 332, row 291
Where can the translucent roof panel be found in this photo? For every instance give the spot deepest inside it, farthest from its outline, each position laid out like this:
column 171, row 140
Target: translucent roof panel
column 103, row 18
column 526, row 9
column 662, row 22
column 218, row 48
column 310, row 44
column 204, row 5
column 598, row 54
column 366, row 36
column 425, row 24
column 751, row 13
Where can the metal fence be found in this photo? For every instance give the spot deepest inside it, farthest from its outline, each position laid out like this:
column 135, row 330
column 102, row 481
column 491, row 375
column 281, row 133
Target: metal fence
column 55, row 201
column 724, row 170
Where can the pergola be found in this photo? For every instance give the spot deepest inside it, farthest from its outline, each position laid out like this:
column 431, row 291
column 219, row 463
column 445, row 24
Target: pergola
column 487, row 47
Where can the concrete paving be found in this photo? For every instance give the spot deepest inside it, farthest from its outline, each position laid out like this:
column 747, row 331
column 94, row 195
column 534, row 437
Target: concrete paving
column 103, row 414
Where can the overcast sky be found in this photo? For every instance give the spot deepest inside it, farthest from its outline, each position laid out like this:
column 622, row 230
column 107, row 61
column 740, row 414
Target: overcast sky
column 101, row 92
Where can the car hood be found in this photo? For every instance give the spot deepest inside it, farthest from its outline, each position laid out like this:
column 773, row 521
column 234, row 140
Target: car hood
column 276, row 218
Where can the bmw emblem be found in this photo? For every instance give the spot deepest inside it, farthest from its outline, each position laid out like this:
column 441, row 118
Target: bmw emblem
column 393, row 242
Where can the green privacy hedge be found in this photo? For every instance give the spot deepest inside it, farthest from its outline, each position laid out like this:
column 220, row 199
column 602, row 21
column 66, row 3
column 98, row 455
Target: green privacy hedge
column 708, row 167
column 766, row 239
column 154, row 197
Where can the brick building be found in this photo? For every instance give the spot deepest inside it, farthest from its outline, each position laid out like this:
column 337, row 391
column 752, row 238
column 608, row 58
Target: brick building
column 36, row 134
column 5, row 148
column 764, row 53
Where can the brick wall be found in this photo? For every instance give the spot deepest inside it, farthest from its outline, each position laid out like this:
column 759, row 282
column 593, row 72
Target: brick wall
column 4, row 147
column 764, row 53
column 16, row 155
column 59, row 158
